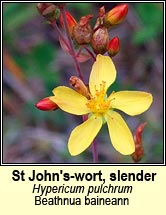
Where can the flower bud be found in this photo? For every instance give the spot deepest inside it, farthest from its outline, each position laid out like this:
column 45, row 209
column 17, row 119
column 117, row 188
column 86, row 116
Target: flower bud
column 46, row 104
column 100, row 40
column 48, row 10
column 113, row 46
column 79, row 86
column 71, row 22
column 43, row 6
column 100, row 35
column 139, row 150
column 82, row 31
column 116, row 15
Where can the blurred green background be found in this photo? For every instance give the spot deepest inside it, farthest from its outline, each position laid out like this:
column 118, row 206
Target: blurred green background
column 34, row 63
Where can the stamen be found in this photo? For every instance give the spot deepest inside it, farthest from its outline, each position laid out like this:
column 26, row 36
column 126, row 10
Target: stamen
column 99, row 103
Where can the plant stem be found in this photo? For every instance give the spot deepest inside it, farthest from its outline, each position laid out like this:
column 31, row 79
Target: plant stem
column 79, row 51
column 77, row 67
column 72, row 51
column 60, row 34
column 94, row 150
column 90, row 53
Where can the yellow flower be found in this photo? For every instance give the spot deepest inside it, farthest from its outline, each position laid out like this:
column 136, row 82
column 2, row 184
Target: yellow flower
column 101, row 109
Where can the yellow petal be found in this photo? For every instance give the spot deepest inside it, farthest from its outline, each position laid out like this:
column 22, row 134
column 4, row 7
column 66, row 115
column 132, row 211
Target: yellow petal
column 131, row 102
column 120, row 134
column 70, row 101
column 102, row 70
column 83, row 135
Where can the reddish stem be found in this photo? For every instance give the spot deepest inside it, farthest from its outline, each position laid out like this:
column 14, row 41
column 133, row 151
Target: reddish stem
column 79, row 51
column 77, row 67
column 60, row 34
column 90, row 53
column 94, row 151
column 72, row 51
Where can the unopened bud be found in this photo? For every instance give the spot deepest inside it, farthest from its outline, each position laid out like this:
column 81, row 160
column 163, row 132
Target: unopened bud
column 139, row 150
column 100, row 37
column 71, row 22
column 100, row 40
column 43, row 6
column 46, row 104
column 116, row 15
column 113, row 46
column 48, row 10
column 82, row 31
column 79, row 86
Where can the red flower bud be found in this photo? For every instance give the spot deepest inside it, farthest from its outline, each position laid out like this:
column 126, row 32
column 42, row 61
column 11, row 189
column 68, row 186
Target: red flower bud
column 46, row 105
column 113, row 46
column 71, row 22
column 82, row 32
column 139, row 150
column 116, row 15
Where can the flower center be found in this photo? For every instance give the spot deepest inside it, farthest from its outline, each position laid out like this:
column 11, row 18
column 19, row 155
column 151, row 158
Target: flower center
column 99, row 103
